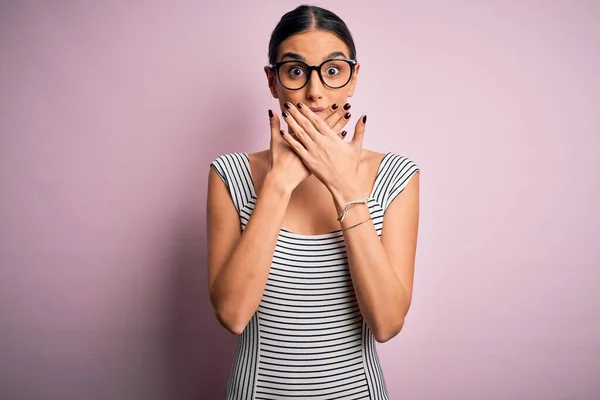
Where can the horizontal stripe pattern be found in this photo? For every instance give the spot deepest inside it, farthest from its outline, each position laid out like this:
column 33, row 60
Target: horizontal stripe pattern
column 308, row 339
column 311, row 327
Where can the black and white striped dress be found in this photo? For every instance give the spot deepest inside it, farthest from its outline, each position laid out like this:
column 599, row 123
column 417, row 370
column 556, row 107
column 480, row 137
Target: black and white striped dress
column 307, row 339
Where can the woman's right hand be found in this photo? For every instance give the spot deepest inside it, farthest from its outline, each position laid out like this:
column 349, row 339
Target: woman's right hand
column 285, row 165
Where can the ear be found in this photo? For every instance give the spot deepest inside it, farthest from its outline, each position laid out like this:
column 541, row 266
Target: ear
column 352, row 84
column 271, row 81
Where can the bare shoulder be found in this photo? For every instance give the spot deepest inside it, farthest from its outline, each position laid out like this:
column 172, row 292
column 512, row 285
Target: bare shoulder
column 369, row 163
column 259, row 159
column 369, row 157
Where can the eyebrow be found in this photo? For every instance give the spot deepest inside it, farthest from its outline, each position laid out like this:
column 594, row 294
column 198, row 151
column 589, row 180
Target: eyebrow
column 297, row 56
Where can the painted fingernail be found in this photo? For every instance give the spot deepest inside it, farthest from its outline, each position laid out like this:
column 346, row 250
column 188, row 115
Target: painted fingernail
column 365, row 119
column 285, row 114
column 344, row 133
column 288, row 105
column 282, row 132
column 300, row 105
column 335, row 106
column 270, row 113
column 347, row 106
column 347, row 116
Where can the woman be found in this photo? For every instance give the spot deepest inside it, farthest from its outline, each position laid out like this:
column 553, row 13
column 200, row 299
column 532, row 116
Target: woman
column 311, row 243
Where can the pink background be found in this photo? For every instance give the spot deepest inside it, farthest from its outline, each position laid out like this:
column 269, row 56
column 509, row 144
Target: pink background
column 111, row 113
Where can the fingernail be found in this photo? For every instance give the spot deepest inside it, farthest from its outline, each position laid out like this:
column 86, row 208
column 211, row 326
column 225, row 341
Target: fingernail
column 282, row 132
column 287, row 105
column 344, row 133
column 347, row 116
column 347, row 106
column 270, row 113
column 285, row 114
column 365, row 119
column 335, row 106
column 300, row 105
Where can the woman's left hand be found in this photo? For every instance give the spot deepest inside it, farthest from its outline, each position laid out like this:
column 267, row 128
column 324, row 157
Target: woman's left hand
column 332, row 160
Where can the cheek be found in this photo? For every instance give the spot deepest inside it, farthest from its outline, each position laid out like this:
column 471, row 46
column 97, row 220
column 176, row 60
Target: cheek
column 342, row 98
column 292, row 97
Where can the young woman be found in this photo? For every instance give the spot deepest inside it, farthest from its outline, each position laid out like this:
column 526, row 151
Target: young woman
column 311, row 243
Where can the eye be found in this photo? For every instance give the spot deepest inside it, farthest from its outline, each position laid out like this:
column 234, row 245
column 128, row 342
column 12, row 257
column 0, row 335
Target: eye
column 296, row 71
column 332, row 70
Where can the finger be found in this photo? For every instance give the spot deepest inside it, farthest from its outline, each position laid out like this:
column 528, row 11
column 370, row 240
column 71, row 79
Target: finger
column 299, row 131
column 296, row 146
column 275, row 125
column 330, row 114
column 336, row 113
column 312, row 124
column 359, row 132
column 342, row 121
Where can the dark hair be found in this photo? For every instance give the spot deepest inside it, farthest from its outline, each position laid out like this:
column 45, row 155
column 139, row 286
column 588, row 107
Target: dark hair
column 305, row 18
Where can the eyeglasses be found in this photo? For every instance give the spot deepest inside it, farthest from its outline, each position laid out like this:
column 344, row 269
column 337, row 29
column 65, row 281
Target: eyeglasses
column 335, row 73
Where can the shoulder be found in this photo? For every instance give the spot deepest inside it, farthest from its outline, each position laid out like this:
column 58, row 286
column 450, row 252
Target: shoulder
column 389, row 163
column 259, row 159
column 229, row 165
column 399, row 165
column 228, row 157
column 400, row 159
column 229, row 161
column 396, row 171
column 371, row 157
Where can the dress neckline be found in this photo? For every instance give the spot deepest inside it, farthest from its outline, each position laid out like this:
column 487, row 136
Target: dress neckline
column 318, row 236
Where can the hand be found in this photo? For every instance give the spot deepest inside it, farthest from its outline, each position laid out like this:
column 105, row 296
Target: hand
column 284, row 164
column 335, row 118
column 284, row 159
column 332, row 160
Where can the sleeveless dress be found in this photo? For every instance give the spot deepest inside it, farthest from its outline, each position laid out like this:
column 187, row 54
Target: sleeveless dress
column 307, row 339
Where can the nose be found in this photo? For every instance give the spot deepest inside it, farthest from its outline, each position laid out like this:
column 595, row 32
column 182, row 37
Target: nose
column 314, row 87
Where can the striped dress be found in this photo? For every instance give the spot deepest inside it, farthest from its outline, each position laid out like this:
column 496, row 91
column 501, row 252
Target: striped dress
column 307, row 339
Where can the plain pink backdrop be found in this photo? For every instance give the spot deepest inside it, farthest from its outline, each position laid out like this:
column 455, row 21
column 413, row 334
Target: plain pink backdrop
column 110, row 113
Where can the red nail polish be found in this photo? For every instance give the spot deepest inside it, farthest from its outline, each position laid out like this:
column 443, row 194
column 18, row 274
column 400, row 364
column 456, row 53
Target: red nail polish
column 270, row 113
column 365, row 119
column 335, row 106
column 347, row 106
column 347, row 116
column 344, row 133
column 287, row 105
column 299, row 105
column 285, row 114
column 282, row 132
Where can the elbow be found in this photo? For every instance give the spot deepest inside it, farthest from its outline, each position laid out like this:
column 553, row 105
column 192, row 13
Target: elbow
column 231, row 323
column 386, row 334
column 229, row 318
column 391, row 326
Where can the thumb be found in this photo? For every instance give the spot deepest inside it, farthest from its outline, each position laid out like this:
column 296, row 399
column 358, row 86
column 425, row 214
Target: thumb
column 359, row 131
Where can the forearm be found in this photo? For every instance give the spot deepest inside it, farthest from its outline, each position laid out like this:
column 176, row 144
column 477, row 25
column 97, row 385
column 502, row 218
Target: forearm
column 240, row 283
column 381, row 296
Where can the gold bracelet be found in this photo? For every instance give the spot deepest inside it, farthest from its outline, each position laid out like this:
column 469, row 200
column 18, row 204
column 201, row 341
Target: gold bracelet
column 355, row 225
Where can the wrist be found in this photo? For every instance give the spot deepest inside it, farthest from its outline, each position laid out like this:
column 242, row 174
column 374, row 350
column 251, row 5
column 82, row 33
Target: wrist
column 278, row 184
column 343, row 196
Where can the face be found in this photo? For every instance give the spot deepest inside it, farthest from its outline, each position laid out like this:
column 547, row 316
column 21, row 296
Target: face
column 313, row 47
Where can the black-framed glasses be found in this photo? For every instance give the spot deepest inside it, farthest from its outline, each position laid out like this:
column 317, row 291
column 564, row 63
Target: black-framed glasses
column 335, row 73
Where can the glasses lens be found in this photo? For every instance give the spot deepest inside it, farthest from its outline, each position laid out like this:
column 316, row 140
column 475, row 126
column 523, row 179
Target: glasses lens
column 336, row 73
column 293, row 75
